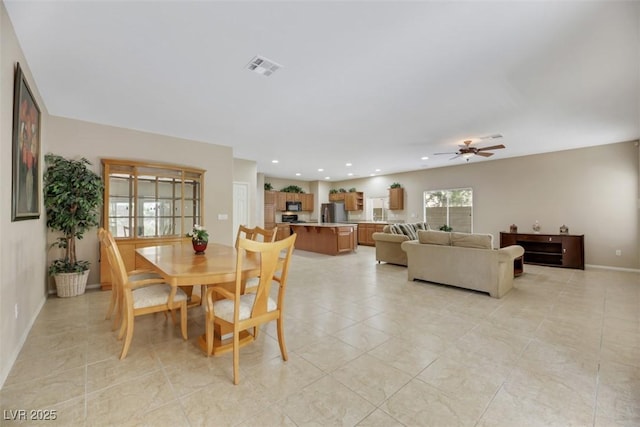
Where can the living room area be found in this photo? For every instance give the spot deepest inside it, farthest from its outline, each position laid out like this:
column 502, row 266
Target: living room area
column 367, row 346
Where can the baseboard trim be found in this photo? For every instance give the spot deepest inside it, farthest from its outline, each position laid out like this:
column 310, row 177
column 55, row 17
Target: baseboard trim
column 608, row 267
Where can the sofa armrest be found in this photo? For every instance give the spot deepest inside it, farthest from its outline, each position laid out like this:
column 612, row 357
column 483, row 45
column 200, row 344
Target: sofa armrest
column 390, row 237
column 509, row 253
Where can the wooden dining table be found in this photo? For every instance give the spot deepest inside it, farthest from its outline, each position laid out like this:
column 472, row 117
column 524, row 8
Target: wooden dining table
column 181, row 266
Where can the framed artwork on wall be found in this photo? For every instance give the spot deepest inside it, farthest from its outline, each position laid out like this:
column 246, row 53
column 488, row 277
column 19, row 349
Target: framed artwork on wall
column 25, row 197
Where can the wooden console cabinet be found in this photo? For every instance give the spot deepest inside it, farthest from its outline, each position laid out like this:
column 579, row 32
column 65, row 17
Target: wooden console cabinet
column 555, row 250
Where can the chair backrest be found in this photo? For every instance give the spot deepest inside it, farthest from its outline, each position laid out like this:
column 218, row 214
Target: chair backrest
column 273, row 268
column 256, row 234
column 116, row 264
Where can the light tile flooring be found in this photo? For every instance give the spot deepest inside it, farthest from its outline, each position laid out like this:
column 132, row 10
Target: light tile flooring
column 366, row 348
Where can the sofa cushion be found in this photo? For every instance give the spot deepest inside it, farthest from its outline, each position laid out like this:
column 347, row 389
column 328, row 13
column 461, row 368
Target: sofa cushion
column 421, row 226
column 468, row 240
column 408, row 230
column 433, row 237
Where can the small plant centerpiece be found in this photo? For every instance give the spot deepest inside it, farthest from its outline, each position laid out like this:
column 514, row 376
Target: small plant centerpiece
column 199, row 238
column 72, row 198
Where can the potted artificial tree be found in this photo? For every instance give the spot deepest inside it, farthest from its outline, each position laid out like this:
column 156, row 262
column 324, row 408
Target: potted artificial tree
column 72, row 197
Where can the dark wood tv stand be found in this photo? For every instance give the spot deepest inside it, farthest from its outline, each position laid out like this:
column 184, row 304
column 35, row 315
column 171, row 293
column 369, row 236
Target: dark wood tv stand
column 555, row 250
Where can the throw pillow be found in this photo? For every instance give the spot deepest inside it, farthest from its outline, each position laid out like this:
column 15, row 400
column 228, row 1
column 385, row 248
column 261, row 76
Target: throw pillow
column 432, row 237
column 406, row 229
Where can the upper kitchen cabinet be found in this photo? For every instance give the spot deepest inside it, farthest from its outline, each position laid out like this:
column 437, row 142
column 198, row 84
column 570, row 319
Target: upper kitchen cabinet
column 280, row 199
column 353, row 200
column 396, row 199
column 307, row 202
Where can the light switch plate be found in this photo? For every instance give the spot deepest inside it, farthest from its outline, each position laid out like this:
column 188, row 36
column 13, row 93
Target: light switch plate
column 223, row 217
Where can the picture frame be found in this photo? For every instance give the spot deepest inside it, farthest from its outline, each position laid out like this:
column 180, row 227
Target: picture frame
column 25, row 193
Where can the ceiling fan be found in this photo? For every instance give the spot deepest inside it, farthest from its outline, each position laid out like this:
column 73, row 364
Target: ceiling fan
column 467, row 150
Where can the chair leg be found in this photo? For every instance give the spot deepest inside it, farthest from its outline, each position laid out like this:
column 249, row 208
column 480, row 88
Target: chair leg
column 236, row 356
column 112, row 304
column 209, row 327
column 123, row 324
column 283, row 346
column 183, row 320
column 129, row 335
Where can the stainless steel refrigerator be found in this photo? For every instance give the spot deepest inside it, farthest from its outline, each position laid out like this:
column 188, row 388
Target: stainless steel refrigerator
column 333, row 212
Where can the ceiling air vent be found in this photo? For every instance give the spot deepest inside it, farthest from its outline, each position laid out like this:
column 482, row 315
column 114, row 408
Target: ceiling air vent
column 264, row 66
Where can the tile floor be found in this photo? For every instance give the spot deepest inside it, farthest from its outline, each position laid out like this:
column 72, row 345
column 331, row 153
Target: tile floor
column 366, row 348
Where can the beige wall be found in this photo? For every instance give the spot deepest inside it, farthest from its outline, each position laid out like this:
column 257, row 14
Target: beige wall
column 594, row 191
column 74, row 138
column 22, row 243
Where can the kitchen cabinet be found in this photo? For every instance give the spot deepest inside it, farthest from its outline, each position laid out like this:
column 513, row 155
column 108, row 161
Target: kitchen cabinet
column 269, row 216
column 366, row 230
column 336, row 197
column 307, row 202
column 281, row 198
column 396, row 199
column 555, row 250
column 284, row 231
column 281, row 201
column 270, row 197
column 354, row 201
column 148, row 204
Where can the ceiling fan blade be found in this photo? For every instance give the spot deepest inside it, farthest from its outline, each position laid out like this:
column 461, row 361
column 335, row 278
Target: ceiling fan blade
column 437, row 154
column 484, row 154
column 494, row 136
column 493, row 147
column 456, row 156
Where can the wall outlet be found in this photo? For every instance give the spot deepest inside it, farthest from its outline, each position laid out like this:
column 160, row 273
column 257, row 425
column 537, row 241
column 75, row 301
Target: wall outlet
column 223, row 217
column 16, row 310
column 618, row 252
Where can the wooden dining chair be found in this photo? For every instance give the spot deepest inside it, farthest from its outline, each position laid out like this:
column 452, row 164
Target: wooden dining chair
column 256, row 234
column 242, row 314
column 116, row 303
column 142, row 296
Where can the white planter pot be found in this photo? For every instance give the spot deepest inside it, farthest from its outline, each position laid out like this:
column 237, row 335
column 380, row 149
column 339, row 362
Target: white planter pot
column 71, row 284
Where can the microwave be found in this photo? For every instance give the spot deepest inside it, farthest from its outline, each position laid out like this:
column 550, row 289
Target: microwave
column 293, row 206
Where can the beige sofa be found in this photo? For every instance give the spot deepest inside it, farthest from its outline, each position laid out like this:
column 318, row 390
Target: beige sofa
column 463, row 260
column 389, row 240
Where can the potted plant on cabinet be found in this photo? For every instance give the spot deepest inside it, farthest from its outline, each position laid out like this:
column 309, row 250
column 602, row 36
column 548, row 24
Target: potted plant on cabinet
column 72, row 197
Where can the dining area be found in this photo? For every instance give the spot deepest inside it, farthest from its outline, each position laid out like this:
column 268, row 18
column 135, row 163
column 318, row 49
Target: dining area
column 238, row 289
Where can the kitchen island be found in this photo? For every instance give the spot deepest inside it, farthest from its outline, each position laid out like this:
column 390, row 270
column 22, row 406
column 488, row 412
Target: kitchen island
column 325, row 238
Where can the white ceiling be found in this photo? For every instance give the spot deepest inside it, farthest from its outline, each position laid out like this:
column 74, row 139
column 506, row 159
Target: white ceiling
column 378, row 84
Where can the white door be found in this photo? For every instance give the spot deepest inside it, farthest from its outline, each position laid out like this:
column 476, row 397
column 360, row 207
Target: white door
column 240, row 205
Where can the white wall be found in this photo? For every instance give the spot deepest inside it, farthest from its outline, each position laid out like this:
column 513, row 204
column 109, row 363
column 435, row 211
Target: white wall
column 22, row 243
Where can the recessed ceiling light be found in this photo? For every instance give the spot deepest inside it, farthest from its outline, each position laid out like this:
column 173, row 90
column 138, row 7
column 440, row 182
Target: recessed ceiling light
column 348, row 164
column 327, row 177
column 377, row 170
column 298, row 174
column 350, row 174
column 261, row 65
column 320, row 170
column 424, row 158
column 372, row 174
column 274, row 161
